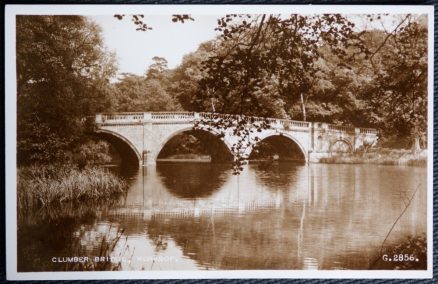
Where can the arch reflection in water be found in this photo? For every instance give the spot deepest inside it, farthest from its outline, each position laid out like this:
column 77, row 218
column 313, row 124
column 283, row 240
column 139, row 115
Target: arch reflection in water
column 328, row 217
column 193, row 180
column 280, row 176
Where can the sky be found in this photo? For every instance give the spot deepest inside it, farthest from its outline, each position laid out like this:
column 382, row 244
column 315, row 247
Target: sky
column 135, row 49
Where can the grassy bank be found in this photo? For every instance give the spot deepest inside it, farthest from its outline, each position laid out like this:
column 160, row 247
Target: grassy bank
column 41, row 186
column 186, row 158
column 400, row 157
column 406, row 255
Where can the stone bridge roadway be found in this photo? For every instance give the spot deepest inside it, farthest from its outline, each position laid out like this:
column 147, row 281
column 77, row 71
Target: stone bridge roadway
column 143, row 135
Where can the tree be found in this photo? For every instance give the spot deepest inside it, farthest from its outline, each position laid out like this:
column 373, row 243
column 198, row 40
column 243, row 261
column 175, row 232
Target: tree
column 270, row 56
column 305, row 67
column 129, row 93
column 397, row 96
column 63, row 73
column 157, row 68
column 263, row 65
column 139, row 93
column 158, row 98
column 186, row 77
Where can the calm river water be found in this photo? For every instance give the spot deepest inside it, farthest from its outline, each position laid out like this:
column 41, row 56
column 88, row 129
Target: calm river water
column 200, row 216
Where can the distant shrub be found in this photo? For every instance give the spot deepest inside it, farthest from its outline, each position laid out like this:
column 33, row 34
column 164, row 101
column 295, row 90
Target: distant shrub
column 92, row 153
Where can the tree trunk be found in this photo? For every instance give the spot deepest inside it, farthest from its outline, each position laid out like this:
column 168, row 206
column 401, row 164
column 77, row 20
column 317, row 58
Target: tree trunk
column 416, row 145
column 212, row 105
column 303, row 107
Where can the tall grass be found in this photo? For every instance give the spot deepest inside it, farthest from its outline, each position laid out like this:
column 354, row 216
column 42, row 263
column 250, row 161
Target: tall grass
column 41, row 186
column 104, row 253
column 380, row 156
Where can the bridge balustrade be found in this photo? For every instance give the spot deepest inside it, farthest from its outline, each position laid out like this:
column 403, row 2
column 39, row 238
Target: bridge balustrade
column 286, row 123
column 294, row 123
column 137, row 117
column 172, row 115
column 368, row 131
column 210, row 115
column 122, row 117
column 341, row 128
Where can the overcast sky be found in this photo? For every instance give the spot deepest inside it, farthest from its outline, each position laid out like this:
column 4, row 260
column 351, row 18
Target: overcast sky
column 135, row 49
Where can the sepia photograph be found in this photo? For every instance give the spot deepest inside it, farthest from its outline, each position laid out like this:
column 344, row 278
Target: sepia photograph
column 255, row 141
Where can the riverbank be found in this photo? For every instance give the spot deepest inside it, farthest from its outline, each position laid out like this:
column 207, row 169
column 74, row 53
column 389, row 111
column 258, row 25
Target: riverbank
column 42, row 186
column 410, row 254
column 400, row 157
column 184, row 158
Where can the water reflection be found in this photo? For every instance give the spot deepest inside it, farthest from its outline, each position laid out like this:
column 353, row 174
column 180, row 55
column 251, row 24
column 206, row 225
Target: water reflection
column 251, row 241
column 292, row 216
column 204, row 179
column 279, row 176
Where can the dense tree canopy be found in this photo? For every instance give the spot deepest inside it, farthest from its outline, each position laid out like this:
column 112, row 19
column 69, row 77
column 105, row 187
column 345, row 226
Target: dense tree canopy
column 266, row 62
column 152, row 92
column 139, row 94
column 397, row 95
column 316, row 68
column 62, row 76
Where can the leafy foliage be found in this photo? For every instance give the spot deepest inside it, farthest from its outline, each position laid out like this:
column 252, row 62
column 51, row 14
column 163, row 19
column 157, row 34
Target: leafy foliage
column 397, row 98
column 182, row 18
column 150, row 93
column 241, row 126
column 138, row 20
column 268, row 58
column 62, row 76
column 186, row 77
column 93, row 152
column 263, row 63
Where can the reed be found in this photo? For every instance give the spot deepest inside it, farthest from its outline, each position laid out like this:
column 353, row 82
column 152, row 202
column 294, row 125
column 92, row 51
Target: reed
column 104, row 252
column 42, row 186
column 414, row 248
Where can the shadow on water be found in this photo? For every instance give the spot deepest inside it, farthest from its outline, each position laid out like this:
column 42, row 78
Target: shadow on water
column 193, row 180
column 55, row 231
column 127, row 172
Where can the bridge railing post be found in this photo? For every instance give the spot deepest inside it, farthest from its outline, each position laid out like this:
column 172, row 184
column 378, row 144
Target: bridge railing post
column 356, row 131
column 196, row 115
column 147, row 116
column 356, row 139
column 323, row 125
column 98, row 119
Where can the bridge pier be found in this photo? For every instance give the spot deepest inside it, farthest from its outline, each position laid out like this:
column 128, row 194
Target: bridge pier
column 314, row 157
column 148, row 159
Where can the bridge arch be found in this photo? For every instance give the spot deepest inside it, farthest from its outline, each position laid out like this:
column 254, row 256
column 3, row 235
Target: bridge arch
column 172, row 135
column 285, row 135
column 125, row 147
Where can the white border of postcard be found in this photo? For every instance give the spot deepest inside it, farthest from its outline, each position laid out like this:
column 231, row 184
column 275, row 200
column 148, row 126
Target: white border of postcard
column 10, row 111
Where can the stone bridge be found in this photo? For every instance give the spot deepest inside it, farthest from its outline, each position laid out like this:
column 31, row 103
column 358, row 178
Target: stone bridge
column 143, row 135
